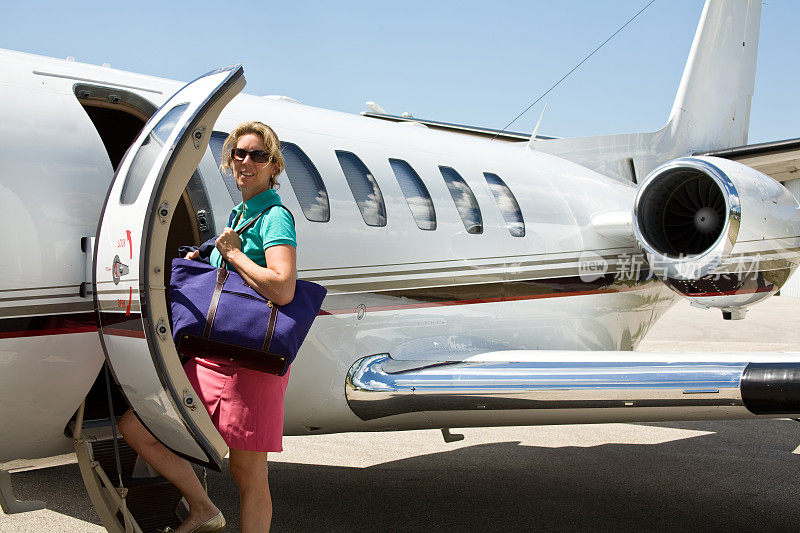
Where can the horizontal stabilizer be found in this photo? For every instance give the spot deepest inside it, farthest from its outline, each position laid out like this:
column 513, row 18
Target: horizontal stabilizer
column 779, row 160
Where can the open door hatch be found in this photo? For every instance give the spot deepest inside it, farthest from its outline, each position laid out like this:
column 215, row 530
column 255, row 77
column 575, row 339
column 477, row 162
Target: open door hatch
column 129, row 254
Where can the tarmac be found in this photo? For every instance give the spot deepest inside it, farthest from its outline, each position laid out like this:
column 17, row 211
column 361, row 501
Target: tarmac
column 681, row 476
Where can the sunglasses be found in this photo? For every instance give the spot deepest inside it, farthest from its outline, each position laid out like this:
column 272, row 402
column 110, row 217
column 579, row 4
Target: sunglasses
column 256, row 156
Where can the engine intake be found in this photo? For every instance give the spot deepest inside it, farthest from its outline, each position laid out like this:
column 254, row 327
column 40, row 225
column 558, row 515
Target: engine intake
column 716, row 231
column 684, row 212
column 687, row 217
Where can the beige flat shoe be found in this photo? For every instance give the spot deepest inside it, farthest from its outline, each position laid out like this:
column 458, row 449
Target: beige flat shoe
column 213, row 524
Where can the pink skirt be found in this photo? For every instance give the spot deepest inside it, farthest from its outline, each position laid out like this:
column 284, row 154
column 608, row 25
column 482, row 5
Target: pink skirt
column 246, row 406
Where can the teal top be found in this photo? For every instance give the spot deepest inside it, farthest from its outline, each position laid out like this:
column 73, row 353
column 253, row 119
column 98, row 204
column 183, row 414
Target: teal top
column 274, row 227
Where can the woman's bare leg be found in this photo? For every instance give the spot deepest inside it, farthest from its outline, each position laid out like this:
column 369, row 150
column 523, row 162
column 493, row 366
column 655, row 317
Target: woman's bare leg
column 178, row 471
column 249, row 470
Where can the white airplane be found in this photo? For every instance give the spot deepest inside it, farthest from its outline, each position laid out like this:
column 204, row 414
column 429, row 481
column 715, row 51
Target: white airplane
column 475, row 277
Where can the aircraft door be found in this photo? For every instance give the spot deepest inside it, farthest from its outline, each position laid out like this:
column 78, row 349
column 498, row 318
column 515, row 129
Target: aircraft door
column 129, row 256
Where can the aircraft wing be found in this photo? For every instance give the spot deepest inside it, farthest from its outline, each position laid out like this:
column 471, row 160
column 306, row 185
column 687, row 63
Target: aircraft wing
column 778, row 159
column 509, row 387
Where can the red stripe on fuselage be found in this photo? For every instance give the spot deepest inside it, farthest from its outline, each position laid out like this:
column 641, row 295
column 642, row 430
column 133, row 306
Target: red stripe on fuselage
column 124, row 333
column 43, row 332
column 42, row 325
column 46, row 325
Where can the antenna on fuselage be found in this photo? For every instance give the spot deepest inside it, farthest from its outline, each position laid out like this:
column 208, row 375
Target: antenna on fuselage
column 529, row 146
column 376, row 108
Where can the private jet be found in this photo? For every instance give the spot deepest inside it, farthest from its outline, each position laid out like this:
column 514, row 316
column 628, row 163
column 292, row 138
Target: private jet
column 475, row 277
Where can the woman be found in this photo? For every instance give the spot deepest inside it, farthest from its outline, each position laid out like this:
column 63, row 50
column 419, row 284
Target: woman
column 246, row 406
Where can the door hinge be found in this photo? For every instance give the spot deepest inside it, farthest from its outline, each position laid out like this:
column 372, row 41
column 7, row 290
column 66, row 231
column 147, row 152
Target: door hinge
column 197, row 136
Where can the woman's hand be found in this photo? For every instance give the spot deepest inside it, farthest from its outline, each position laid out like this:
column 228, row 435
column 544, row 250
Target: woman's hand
column 228, row 242
column 193, row 254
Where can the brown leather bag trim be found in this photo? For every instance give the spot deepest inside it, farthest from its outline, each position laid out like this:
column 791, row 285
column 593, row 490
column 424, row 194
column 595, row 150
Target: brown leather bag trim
column 273, row 318
column 230, row 354
column 222, row 275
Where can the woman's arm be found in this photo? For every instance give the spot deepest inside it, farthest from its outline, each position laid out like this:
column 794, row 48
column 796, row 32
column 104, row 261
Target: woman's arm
column 277, row 281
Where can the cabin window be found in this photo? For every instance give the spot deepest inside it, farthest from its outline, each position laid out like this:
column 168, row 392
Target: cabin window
column 465, row 201
column 507, row 204
column 215, row 145
column 365, row 189
column 148, row 152
column 416, row 193
column 307, row 183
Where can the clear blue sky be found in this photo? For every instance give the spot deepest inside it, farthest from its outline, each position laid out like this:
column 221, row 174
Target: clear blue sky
column 474, row 62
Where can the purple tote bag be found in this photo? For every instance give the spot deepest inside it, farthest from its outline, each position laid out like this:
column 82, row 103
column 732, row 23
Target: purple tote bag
column 216, row 314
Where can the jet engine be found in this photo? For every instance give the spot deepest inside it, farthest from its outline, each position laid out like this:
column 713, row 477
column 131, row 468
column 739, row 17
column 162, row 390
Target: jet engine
column 717, row 232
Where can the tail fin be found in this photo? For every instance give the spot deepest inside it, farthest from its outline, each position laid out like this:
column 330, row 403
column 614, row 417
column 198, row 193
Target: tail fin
column 712, row 107
column 711, row 110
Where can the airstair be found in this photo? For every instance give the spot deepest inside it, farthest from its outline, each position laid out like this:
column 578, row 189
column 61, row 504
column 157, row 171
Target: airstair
column 128, row 495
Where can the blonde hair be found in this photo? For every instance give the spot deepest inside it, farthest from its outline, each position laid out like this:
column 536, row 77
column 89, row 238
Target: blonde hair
column 268, row 136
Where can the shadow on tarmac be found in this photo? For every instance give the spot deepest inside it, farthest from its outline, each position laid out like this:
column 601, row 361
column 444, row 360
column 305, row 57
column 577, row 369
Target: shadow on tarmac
column 742, row 477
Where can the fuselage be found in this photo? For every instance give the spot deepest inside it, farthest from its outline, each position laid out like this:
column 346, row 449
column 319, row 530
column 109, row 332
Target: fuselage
column 388, row 285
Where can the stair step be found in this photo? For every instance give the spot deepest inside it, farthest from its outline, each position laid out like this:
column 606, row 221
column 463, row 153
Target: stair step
column 96, row 429
column 103, row 452
column 151, row 500
column 153, row 505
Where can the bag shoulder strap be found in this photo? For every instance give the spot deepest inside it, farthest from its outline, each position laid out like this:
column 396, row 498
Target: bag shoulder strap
column 285, row 209
column 255, row 218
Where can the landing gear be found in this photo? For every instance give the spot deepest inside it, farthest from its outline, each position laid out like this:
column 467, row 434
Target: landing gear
column 451, row 437
column 9, row 503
